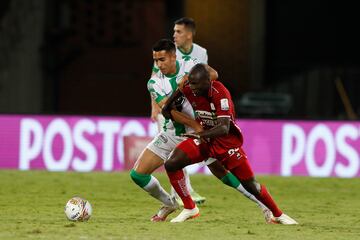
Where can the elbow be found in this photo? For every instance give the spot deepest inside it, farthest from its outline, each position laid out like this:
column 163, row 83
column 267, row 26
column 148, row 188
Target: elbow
column 214, row 75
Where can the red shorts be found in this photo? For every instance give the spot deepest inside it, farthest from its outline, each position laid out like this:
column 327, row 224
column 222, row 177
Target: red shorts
column 230, row 159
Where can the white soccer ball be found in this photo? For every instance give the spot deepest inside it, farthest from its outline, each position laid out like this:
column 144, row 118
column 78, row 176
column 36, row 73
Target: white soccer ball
column 78, row 209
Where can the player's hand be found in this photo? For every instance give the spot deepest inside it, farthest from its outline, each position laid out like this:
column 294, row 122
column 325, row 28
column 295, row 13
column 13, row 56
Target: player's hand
column 155, row 111
column 183, row 82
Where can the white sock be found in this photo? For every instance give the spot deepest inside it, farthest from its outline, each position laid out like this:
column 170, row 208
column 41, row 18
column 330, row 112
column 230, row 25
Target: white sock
column 187, row 180
column 241, row 189
column 157, row 191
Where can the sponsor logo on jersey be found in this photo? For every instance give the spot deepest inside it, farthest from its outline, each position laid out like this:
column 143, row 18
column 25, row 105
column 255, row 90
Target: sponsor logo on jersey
column 208, row 118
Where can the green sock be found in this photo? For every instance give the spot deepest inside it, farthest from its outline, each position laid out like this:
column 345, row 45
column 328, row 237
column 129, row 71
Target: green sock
column 230, row 180
column 140, row 179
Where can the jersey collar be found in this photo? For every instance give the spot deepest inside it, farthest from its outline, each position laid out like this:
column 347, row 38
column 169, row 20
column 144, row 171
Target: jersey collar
column 176, row 73
column 187, row 53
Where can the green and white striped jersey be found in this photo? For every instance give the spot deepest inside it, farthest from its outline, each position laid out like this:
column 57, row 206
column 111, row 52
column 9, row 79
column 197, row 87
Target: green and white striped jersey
column 197, row 53
column 161, row 86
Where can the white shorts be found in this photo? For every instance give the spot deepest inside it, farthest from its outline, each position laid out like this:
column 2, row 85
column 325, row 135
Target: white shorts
column 164, row 143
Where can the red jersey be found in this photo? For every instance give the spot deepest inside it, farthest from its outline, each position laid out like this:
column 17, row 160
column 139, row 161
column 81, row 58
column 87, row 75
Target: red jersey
column 207, row 109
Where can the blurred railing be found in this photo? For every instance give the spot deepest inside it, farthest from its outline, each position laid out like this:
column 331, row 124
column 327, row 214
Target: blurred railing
column 308, row 95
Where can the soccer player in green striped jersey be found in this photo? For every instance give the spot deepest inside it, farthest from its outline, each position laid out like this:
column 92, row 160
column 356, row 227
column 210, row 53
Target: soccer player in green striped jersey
column 172, row 75
column 186, row 49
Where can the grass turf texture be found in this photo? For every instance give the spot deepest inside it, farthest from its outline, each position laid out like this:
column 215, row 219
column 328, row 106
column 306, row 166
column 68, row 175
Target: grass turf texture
column 32, row 203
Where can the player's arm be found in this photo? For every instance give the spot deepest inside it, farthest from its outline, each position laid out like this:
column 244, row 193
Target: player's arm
column 213, row 73
column 169, row 111
column 168, row 104
column 155, row 110
column 213, row 76
column 221, row 129
column 223, row 105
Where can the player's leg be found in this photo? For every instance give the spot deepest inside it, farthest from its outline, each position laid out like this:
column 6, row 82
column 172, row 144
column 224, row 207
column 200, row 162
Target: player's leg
column 218, row 170
column 242, row 170
column 146, row 164
column 194, row 195
column 150, row 159
column 174, row 168
column 264, row 196
column 186, row 153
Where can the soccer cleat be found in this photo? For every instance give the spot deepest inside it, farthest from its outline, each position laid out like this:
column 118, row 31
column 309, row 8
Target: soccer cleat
column 197, row 198
column 186, row 214
column 163, row 212
column 284, row 219
column 269, row 217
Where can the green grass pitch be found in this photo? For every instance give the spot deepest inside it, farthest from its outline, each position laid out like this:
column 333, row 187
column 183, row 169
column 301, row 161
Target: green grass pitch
column 32, row 203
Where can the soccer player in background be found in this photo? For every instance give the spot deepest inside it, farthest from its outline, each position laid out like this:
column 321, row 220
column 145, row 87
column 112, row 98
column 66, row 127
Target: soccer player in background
column 221, row 139
column 184, row 32
column 161, row 85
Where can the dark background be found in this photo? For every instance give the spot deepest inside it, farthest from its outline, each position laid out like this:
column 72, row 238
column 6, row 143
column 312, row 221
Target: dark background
column 94, row 56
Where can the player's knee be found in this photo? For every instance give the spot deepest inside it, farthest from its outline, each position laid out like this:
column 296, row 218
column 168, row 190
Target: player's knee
column 218, row 170
column 170, row 165
column 140, row 179
column 175, row 163
column 252, row 186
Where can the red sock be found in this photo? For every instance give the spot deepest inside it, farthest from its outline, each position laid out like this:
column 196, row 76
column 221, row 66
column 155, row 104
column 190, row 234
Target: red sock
column 177, row 180
column 267, row 200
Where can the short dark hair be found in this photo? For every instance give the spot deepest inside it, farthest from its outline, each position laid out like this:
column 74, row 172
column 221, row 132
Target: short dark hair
column 164, row 44
column 200, row 70
column 188, row 23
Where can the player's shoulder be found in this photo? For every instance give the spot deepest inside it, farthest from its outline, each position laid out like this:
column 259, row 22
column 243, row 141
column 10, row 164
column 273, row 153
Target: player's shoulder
column 218, row 84
column 154, row 79
column 218, row 88
column 199, row 48
column 187, row 62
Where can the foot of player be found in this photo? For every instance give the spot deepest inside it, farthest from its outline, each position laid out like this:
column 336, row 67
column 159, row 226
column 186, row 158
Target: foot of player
column 187, row 214
column 283, row 219
column 165, row 211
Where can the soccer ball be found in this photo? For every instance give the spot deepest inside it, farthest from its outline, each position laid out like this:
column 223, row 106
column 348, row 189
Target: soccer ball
column 78, row 209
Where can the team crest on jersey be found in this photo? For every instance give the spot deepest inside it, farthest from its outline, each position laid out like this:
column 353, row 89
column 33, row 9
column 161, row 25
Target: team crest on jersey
column 163, row 138
column 224, row 103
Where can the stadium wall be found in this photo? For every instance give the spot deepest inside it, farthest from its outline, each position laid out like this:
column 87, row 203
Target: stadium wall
column 89, row 143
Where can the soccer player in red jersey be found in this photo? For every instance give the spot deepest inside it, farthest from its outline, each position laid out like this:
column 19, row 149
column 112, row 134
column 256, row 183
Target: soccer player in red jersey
column 221, row 139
